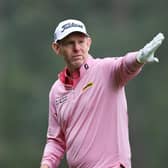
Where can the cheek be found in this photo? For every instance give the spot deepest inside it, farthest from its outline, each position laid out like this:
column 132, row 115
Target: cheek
column 85, row 49
column 67, row 56
column 66, row 53
column 88, row 46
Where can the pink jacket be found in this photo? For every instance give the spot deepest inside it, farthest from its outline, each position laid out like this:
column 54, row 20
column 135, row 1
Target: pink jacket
column 89, row 120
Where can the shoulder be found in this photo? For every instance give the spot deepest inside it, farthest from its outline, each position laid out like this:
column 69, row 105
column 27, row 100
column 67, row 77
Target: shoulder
column 107, row 59
column 106, row 62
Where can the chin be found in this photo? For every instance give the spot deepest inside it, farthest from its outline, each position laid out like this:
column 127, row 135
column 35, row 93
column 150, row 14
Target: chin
column 78, row 64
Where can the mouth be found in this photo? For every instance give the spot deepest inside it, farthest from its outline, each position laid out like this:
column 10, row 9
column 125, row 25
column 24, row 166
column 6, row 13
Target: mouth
column 77, row 57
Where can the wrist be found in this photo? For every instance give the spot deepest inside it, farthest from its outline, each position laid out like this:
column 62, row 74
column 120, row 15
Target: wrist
column 139, row 57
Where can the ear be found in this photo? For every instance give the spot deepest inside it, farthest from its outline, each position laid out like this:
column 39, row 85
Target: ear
column 89, row 42
column 56, row 48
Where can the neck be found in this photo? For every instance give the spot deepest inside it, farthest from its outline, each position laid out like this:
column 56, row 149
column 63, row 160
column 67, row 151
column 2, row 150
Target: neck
column 73, row 74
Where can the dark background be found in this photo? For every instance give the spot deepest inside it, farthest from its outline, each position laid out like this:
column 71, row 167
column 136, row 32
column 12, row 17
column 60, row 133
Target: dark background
column 28, row 67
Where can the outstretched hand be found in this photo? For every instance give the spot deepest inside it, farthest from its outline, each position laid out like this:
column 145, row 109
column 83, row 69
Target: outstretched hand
column 146, row 54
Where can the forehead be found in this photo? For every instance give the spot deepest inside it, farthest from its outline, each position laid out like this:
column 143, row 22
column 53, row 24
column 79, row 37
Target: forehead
column 74, row 35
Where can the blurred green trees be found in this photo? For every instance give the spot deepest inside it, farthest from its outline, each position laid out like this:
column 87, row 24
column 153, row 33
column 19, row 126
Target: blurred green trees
column 28, row 67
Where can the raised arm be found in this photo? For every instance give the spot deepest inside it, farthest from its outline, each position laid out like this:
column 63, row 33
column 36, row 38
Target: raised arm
column 130, row 65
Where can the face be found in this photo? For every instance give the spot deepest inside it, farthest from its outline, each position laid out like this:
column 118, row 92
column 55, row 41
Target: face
column 74, row 48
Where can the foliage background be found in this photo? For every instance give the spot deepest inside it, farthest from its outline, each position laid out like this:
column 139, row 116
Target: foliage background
column 28, row 67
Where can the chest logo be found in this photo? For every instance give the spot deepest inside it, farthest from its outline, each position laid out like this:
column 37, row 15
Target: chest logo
column 90, row 84
column 61, row 100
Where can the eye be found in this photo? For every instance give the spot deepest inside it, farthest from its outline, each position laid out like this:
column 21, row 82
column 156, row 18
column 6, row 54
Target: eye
column 81, row 41
column 68, row 43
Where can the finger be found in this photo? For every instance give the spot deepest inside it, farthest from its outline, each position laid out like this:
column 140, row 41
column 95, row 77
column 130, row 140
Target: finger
column 155, row 45
column 153, row 59
column 156, row 59
column 159, row 37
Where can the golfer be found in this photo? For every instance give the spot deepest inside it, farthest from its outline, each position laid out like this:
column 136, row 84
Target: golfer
column 88, row 117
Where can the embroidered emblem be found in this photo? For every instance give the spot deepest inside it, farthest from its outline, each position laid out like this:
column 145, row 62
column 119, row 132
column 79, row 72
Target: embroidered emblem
column 61, row 100
column 87, row 86
column 86, row 66
column 69, row 25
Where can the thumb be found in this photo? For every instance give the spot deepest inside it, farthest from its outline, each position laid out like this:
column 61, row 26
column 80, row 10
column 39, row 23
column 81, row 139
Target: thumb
column 155, row 59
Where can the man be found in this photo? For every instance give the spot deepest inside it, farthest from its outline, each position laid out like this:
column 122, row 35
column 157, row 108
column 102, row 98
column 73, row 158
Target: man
column 87, row 104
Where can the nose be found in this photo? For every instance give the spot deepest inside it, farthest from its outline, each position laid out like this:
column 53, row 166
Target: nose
column 76, row 47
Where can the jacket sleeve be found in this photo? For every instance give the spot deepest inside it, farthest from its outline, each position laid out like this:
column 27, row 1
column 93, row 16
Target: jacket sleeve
column 55, row 145
column 121, row 69
column 126, row 68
